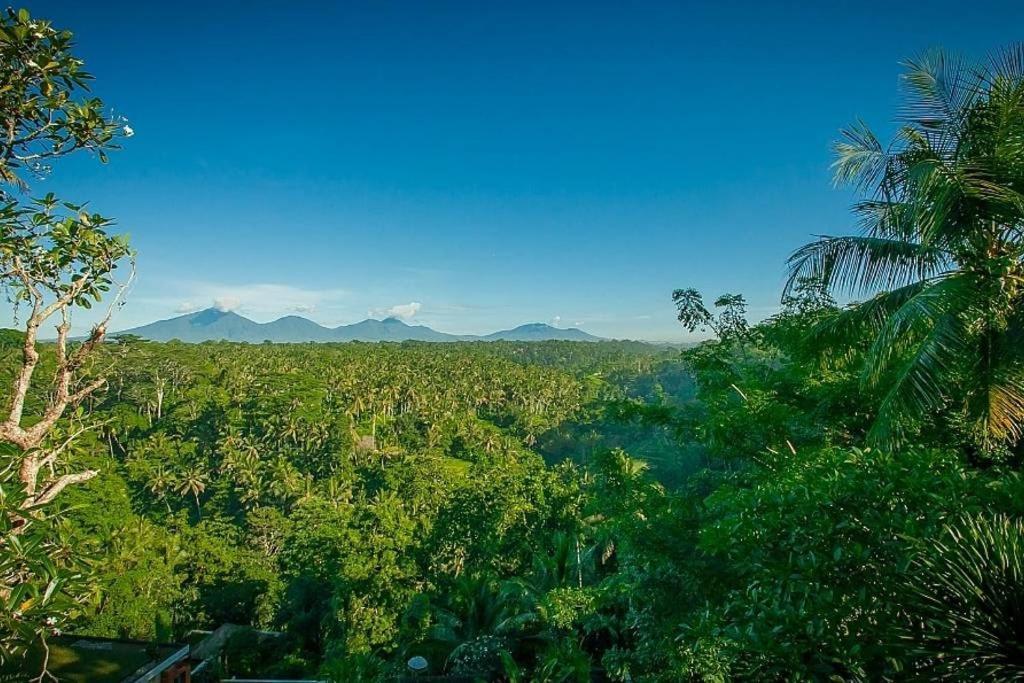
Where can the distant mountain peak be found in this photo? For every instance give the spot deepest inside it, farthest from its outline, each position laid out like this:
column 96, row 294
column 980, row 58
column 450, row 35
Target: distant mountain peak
column 207, row 316
column 541, row 332
column 213, row 324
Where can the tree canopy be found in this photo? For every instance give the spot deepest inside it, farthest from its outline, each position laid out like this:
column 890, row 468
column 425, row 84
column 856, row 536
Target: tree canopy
column 832, row 493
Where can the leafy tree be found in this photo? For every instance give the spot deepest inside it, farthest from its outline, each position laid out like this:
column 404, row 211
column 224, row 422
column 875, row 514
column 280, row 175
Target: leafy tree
column 729, row 325
column 54, row 257
column 941, row 250
column 43, row 582
column 45, row 115
column 138, row 580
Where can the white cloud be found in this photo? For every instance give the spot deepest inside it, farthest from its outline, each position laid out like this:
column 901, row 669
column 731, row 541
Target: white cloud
column 260, row 300
column 227, row 303
column 401, row 311
column 556, row 321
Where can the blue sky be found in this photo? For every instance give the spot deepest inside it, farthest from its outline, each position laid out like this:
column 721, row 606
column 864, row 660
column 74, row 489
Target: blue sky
column 473, row 166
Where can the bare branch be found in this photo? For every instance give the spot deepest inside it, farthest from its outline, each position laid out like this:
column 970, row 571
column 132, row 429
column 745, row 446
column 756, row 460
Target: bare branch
column 67, row 365
column 53, row 489
column 34, row 463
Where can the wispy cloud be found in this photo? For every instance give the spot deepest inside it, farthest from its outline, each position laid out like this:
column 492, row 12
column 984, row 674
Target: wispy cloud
column 187, row 307
column 259, row 299
column 402, row 311
column 227, row 303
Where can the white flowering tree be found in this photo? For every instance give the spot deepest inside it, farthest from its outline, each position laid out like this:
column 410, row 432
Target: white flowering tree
column 55, row 257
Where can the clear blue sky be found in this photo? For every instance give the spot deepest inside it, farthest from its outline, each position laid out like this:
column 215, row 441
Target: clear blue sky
column 495, row 163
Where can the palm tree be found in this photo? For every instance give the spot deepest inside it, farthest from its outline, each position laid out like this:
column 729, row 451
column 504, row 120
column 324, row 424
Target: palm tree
column 286, row 481
column 479, row 626
column 941, row 254
column 160, row 482
column 192, row 480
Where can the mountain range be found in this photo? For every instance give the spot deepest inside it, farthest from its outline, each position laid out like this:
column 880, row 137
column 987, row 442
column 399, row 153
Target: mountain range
column 216, row 325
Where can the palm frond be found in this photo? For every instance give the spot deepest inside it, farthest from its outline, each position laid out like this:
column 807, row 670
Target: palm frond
column 1004, row 414
column 916, row 319
column 918, row 389
column 935, row 193
column 860, row 159
column 979, row 183
column 1000, row 371
column 885, row 218
column 941, row 88
column 862, row 319
column 863, row 264
column 930, row 339
column 1005, row 65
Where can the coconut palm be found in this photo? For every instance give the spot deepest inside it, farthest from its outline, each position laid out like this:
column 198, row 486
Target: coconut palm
column 479, row 626
column 192, row 481
column 160, row 483
column 941, row 254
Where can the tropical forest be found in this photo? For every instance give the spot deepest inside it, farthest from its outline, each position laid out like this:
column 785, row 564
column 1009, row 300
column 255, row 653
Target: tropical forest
column 829, row 491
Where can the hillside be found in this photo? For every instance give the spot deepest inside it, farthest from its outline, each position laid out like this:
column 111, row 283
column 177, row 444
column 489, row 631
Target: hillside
column 540, row 332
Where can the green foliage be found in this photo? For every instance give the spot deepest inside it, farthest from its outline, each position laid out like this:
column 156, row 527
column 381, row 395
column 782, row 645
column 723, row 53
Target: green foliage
column 966, row 601
column 137, row 583
column 815, row 550
column 54, row 256
column 42, row 94
column 59, row 251
column 41, row 574
column 556, row 511
column 373, row 512
column 328, row 491
column 940, row 252
column 731, row 323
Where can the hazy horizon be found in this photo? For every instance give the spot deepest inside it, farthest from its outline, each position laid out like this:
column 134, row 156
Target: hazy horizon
column 371, row 316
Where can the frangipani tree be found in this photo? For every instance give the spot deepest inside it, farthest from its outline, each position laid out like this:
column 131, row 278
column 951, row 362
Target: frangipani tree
column 941, row 251
column 55, row 257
